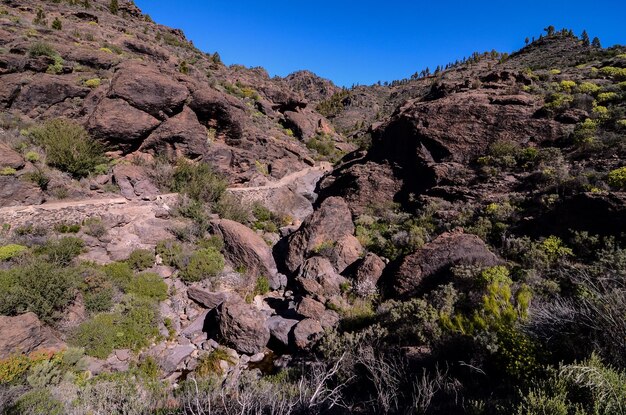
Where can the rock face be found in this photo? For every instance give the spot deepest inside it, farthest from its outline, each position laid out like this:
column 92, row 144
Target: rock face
column 179, row 136
column 45, row 91
column 147, row 89
column 10, row 158
column 15, row 191
column 26, row 334
column 447, row 250
column 117, row 122
column 317, row 276
column 244, row 247
column 243, row 326
column 328, row 224
column 205, row 298
column 280, row 328
column 219, row 111
column 455, row 128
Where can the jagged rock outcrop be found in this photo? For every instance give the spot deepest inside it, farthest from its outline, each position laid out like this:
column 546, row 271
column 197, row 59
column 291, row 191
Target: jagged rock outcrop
column 179, row 136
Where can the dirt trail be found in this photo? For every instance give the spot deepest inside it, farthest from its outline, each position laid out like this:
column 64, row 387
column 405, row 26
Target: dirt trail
column 168, row 197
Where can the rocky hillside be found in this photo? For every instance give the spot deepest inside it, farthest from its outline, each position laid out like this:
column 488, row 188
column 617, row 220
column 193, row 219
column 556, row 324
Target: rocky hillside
column 175, row 240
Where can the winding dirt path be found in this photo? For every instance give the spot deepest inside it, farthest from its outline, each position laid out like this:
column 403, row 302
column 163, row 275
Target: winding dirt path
column 287, row 180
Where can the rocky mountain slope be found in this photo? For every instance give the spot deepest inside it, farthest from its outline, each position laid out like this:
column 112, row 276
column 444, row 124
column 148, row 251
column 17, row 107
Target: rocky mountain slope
column 174, row 239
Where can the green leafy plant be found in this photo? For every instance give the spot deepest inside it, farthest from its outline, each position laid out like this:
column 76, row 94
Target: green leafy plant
column 141, row 259
column 69, row 147
column 11, row 251
column 204, row 263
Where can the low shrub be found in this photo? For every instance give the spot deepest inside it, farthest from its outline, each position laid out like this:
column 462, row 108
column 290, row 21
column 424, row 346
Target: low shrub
column 617, row 178
column 41, row 49
column 92, row 83
column 202, row 264
column 32, row 156
column 38, row 286
column 62, row 251
column 120, row 273
column 11, row 251
column 68, row 147
column 36, row 401
column 148, row 285
column 141, row 259
column 132, row 328
column 171, row 252
column 94, row 227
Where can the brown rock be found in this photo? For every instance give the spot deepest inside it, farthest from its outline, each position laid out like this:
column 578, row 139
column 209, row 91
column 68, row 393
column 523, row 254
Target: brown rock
column 362, row 185
column 10, row 158
column 310, row 308
column 47, row 90
column 134, row 182
column 120, row 124
column 307, row 333
column 280, row 328
column 181, row 135
column 16, row 191
column 367, row 273
column 148, row 89
column 220, row 111
column 243, row 246
column 331, row 222
column 319, row 270
column 346, row 251
column 26, row 334
column 447, row 250
column 243, row 326
column 207, row 299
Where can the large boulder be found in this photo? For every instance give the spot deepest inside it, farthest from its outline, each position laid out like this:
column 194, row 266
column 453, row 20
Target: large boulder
column 327, row 225
column 181, row 135
column 118, row 123
column 207, row 299
column 307, row 333
column 447, row 250
column 220, row 111
column 148, row 89
column 17, row 191
column 317, row 276
column 366, row 274
column 243, row 326
column 26, row 334
column 455, row 128
column 10, row 158
column 280, row 328
column 47, row 90
column 244, row 247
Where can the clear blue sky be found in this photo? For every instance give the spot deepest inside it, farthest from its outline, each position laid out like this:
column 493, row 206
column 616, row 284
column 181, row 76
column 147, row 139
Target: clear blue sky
column 366, row 41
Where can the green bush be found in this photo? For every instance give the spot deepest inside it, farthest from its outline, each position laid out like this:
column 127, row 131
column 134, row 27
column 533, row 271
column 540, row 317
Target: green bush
column 38, row 286
column 69, row 147
column 617, row 178
column 148, row 285
column 42, row 49
column 171, row 252
column 141, row 259
column 198, row 181
column 11, row 251
column 36, row 402
column 62, row 251
column 67, row 228
column 262, row 286
column 7, row 171
column 132, row 328
column 120, row 273
column 56, row 24
column 97, row 291
column 92, row 83
column 94, row 227
column 204, row 263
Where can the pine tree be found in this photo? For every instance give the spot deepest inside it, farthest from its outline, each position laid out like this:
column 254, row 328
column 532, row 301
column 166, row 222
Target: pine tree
column 114, row 6
column 549, row 30
column 40, row 18
column 585, row 38
column 596, row 42
column 56, row 24
column 526, row 41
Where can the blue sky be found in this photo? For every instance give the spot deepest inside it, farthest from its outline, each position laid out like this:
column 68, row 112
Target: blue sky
column 365, row 41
